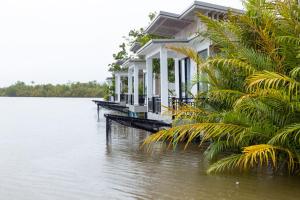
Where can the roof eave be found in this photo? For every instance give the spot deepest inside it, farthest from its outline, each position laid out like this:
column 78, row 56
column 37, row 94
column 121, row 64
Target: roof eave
column 141, row 51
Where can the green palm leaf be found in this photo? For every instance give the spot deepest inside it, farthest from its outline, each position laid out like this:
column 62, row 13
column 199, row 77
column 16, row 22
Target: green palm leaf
column 287, row 135
column 272, row 80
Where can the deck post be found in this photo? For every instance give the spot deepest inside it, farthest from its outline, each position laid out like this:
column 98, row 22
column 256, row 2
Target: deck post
column 98, row 110
column 108, row 131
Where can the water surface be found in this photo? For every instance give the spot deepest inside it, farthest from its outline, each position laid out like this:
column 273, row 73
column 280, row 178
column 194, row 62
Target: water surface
column 54, row 148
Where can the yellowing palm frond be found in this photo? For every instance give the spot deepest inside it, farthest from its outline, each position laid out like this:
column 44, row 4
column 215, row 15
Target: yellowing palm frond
column 188, row 112
column 262, row 155
column 206, row 131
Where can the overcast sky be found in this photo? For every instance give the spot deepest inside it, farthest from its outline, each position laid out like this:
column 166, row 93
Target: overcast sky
column 56, row 41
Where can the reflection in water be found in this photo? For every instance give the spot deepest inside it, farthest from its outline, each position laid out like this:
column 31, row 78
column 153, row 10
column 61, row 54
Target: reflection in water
column 56, row 149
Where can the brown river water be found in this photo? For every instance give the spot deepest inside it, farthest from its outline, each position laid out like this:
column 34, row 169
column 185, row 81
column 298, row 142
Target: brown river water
column 54, row 149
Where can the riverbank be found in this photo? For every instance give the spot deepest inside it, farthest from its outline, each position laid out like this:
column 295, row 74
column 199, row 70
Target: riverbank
column 87, row 90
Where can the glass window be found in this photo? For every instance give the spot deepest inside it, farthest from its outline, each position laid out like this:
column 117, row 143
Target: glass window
column 202, row 86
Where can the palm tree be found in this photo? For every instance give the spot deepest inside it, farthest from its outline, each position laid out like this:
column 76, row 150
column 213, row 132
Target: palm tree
column 251, row 116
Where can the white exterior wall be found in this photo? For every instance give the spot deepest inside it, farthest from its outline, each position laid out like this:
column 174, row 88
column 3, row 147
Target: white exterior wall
column 191, row 30
column 188, row 33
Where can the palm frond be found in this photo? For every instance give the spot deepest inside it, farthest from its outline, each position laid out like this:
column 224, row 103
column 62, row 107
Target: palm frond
column 229, row 97
column 205, row 131
column 252, row 156
column 287, row 135
column 288, row 39
column 218, row 32
column 225, row 164
column 233, row 63
column 187, row 112
column 259, row 60
column 272, row 80
column 220, row 147
column 295, row 72
column 258, row 111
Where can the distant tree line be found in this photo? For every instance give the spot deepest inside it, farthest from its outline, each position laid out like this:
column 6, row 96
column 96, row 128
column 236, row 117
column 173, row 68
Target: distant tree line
column 90, row 89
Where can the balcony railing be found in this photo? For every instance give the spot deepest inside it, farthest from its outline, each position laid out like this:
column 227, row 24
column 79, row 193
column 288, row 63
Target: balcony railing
column 142, row 100
column 131, row 99
column 123, row 97
column 176, row 103
column 154, row 104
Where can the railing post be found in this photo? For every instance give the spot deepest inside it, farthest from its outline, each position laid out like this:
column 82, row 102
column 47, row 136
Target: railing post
column 173, row 107
column 98, row 110
column 153, row 105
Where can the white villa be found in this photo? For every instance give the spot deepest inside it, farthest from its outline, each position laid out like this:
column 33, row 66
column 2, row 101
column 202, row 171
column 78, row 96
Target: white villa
column 149, row 94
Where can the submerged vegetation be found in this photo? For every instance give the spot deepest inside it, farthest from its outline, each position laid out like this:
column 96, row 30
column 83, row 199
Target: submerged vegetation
column 90, row 89
column 251, row 113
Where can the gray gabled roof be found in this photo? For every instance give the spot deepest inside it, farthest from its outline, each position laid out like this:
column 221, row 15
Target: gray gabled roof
column 168, row 24
column 135, row 47
column 132, row 60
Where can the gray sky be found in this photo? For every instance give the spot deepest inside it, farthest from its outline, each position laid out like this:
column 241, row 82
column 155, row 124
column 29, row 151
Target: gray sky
column 56, row 41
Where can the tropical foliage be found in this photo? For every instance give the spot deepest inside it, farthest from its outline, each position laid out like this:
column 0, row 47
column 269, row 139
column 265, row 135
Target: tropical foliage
column 138, row 36
column 134, row 36
column 251, row 115
column 90, row 89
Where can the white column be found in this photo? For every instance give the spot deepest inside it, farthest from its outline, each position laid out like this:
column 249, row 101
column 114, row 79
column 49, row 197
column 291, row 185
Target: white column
column 129, row 85
column 129, row 82
column 136, row 85
column 183, row 83
column 149, row 80
column 164, row 82
column 118, row 87
column 176, row 60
